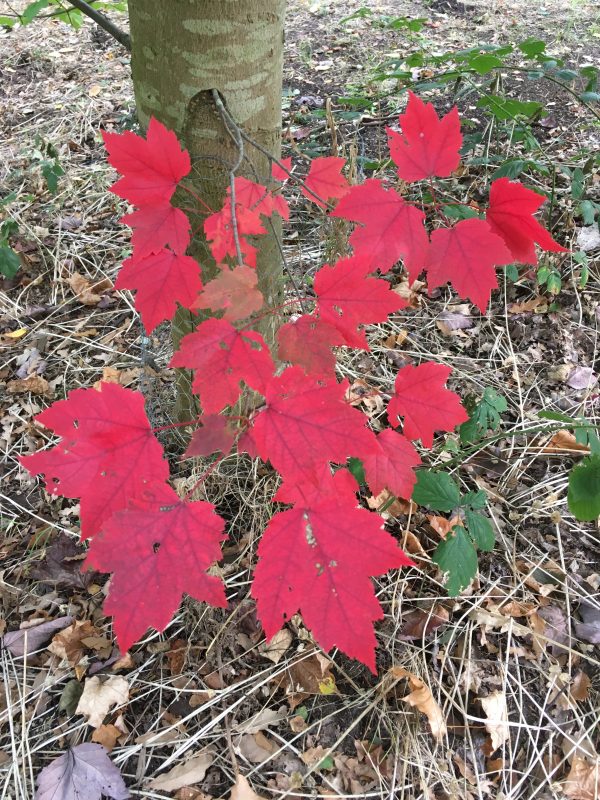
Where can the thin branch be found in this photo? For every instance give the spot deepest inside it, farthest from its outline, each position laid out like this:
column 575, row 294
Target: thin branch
column 103, row 22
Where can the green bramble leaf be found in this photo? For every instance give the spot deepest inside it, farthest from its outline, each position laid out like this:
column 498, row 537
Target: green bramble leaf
column 457, row 557
column 9, row 261
column 436, row 490
column 481, row 530
column 584, row 489
column 532, row 47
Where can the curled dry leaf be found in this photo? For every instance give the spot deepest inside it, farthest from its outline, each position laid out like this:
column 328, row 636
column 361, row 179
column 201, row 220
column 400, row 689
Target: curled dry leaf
column 69, row 645
column 494, row 707
column 276, row 647
column 422, row 699
column 191, row 771
column 88, row 292
column 28, row 640
column 421, row 622
column 99, row 698
column 34, row 384
column 243, row 791
column 565, row 442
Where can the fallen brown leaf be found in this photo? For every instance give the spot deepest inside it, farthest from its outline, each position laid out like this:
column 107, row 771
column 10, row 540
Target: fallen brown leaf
column 99, row 698
column 87, row 292
column 107, row 736
column 583, row 780
column 68, row 644
column 190, row 772
column 34, row 384
column 422, row 699
column 565, row 442
column 496, row 711
column 243, row 791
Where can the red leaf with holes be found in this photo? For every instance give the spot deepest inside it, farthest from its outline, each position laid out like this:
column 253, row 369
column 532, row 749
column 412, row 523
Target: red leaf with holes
column 325, row 179
column 222, row 357
column 159, row 549
column 510, row 216
column 392, row 229
column 347, row 298
column 215, row 436
column 155, row 227
column 152, row 167
column 306, row 424
column 428, row 145
column 307, row 341
column 234, row 290
column 161, row 280
column 392, row 465
column 107, row 453
column 427, row 406
column 466, row 255
column 318, row 558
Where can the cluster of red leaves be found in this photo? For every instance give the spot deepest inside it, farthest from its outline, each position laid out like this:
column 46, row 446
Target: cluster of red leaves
column 317, row 557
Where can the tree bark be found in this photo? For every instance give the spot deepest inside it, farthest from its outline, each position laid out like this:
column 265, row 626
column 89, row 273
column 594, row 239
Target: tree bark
column 182, row 50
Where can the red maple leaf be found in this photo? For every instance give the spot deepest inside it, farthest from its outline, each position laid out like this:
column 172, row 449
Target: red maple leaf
column 307, row 341
column 154, row 227
column 152, row 167
column 281, row 173
column 318, row 558
column 347, row 298
column 392, row 465
column 161, row 280
column 428, row 145
column 158, row 549
column 325, row 179
column 510, row 215
column 466, row 255
column 306, row 424
column 222, row 357
column 215, row 435
column 393, row 229
column 235, row 290
column 257, row 197
column 220, row 233
column 427, row 406
column 107, row 454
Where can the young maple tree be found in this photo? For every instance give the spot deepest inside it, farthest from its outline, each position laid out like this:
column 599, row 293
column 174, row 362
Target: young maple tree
column 317, row 557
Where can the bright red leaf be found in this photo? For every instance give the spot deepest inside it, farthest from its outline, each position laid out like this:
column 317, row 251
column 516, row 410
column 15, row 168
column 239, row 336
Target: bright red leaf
column 428, row 145
column 510, row 215
column 222, row 357
column 318, row 559
column 220, row 233
column 392, row 229
column 392, row 465
column 158, row 549
column 280, row 174
column 427, row 406
column 234, row 290
column 347, row 298
column 106, row 456
column 215, row 436
column 306, row 424
column 257, row 197
column 325, row 179
column 152, row 167
column 161, row 280
column 466, row 255
column 307, row 341
column 155, row 227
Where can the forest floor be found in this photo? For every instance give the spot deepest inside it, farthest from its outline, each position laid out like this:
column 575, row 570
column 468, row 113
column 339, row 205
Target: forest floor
column 511, row 665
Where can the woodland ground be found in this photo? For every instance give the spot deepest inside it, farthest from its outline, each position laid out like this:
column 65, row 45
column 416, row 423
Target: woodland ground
column 514, row 673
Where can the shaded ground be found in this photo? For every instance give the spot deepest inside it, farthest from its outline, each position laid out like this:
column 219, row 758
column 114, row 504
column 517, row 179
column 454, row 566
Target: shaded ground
column 513, row 645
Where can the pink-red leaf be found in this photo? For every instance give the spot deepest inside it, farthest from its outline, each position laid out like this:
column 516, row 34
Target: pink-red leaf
column 428, row 145
column 152, row 167
column 392, row 465
column 154, row 227
column 158, row 549
column 222, row 357
column 281, row 173
column 220, row 233
column 307, row 341
column 510, row 215
column 392, row 229
column 107, row 454
column 235, row 290
column 161, row 280
column 427, row 406
column 466, row 255
column 325, row 179
column 347, row 298
column 215, row 435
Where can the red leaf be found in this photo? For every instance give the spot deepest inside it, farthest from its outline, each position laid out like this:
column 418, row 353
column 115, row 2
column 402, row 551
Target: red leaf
column 161, row 280
column 257, row 197
column 306, row 424
column 152, row 167
column 393, row 229
column 428, row 145
column 221, row 236
column 280, row 174
column 347, row 298
column 214, row 436
column 427, row 406
column 392, row 465
column 154, row 227
column 235, row 290
column 222, row 357
column 158, row 549
column 510, row 215
column 317, row 558
column 107, row 455
column 326, row 180
column 466, row 255
column 307, row 341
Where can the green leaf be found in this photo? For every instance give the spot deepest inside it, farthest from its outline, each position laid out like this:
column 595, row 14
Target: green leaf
column 485, row 416
column 52, row 172
column 532, row 47
column 474, row 500
column 510, row 169
column 459, row 212
column 436, row 490
column 32, row 10
column 512, row 273
column 8, row 22
column 504, row 108
column 567, row 75
column 584, row 489
column 555, row 416
column 590, row 97
column 481, row 530
column 484, row 63
column 357, row 470
column 587, row 209
column 457, row 557
column 69, row 698
column 577, row 184
column 9, row 261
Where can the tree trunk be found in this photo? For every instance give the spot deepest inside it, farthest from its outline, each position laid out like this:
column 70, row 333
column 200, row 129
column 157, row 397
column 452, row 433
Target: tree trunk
column 181, row 51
